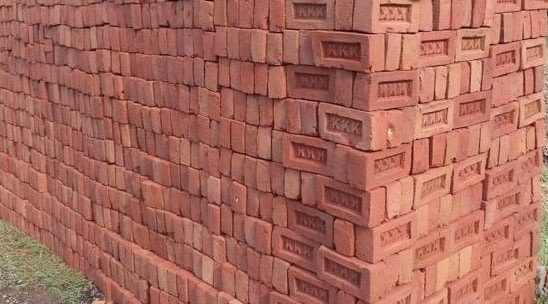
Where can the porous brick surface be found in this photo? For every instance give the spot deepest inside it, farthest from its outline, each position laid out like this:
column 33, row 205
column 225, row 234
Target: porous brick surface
column 278, row 151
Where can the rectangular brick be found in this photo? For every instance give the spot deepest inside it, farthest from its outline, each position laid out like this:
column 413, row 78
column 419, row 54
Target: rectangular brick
column 499, row 179
column 521, row 274
column 504, row 119
column 531, row 109
column 470, row 109
column 466, row 289
column 466, row 231
column 430, row 249
column 432, row 184
column 440, row 297
column 472, row 44
column 374, row 244
column 469, row 172
column 433, row 118
column 526, row 220
column 503, row 205
column 307, row 153
column 402, row 294
column 502, row 232
column 356, row 52
column 310, row 14
column 305, row 287
column 530, row 165
column 525, row 294
column 363, row 130
column 362, row 208
column 294, row 248
column 315, row 83
column 533, row 52
column 386, row 90
column 496, row 289
column 533, row 4
column 370, row 170
column 507, row 6
column 278, row 298
column 310, row 222
column 507, row 88
column 506, row 58
column 380, row 16
column 437, row 48
column 504, row 258
column 346, row 126
column 346, row 273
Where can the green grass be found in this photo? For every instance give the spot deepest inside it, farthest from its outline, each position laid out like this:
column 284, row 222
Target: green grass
column 543, row 254
column 25, row 263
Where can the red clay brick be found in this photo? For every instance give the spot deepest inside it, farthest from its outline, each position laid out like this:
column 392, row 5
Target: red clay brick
column 434, row 118
column 379, row 16
column 465, row 289
column 311, row 82
column 469, row 172
column 305, row 287
column 504, row 119
column 295, row 248
column 386, row 90
column 531, row 109
column 496, row 289
column 506, row 58
column 347, row 273
column 379, row 168
column 472, row 44
column 374, row 244
column 532, row 52
column 349, row 51
column 307, row 153
column 311, row 222
column 310, row 14
column 526, row 220
column 432, row 184
column 472, row 108
column 437, row 48
column 466, row 231
column 499, row 179
column 431, row 248
column 362, row 208
column 361, row 130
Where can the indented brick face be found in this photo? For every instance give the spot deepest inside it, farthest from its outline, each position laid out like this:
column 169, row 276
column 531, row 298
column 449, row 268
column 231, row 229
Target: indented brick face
column 388, row 90
column 466, row 288
column 434, row 118
column 311, row 83
column 279, row 151
column 436, row 48
column 310, row 14
column 294, row 248
column 472, row 44
column 380, row 16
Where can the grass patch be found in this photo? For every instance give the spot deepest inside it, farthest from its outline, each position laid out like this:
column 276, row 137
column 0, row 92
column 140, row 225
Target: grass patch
column 543, row 254
column 25, row 263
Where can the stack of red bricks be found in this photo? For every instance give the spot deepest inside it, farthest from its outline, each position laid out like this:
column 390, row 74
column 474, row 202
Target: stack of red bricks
column 278, row 151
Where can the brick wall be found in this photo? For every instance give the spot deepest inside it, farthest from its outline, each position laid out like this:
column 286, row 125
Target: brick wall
column 278, row 151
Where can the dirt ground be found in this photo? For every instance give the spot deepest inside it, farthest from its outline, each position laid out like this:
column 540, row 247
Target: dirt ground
column 34, row 295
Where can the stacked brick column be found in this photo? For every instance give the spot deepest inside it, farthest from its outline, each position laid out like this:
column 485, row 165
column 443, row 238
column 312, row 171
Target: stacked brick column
column 278, row 151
